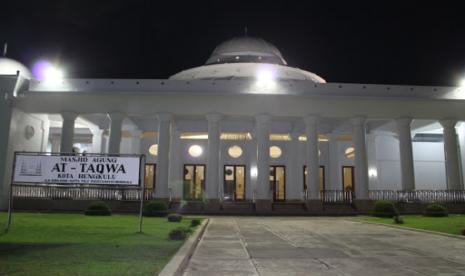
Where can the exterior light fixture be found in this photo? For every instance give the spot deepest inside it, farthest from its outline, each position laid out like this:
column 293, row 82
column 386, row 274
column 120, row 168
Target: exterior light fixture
column 153, row 150
column 47, row 72
column 373, row 173
column 265, row 78
column 195, row 150
column 254, row 171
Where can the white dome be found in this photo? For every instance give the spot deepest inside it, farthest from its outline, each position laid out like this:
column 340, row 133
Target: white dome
column 246, row 58
column 9, row 66
column 246, row 49
column 234, row 71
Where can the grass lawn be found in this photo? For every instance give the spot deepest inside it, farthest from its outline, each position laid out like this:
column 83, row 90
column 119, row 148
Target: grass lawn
column 74, row 244
column 453, row 224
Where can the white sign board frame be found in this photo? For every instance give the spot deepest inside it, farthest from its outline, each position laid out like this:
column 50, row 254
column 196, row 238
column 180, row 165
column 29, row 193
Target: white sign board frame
column 67, row 169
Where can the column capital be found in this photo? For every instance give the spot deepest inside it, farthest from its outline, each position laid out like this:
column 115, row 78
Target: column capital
column 116, row 116
column 214, row 117
column 448, row 123
column 69, row 115
column 96, row 131
column 357, row 121
column 311, row 119
column 164, row 116
column 403, row 121
column 262, row 118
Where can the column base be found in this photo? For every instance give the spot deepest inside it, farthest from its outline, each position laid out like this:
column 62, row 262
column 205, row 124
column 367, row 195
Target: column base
column 314, row 206
column 364, row 206
column 212, row 206
column 263, row 206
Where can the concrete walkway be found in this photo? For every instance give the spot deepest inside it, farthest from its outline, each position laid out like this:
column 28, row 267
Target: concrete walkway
column 321, row 246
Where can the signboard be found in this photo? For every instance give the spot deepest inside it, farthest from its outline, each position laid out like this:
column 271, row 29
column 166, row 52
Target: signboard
column 77, row 169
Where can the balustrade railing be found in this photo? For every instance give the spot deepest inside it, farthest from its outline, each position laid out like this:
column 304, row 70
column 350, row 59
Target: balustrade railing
column 79, row 192
column 336, row 196
column 129, row 193
column 419, row 195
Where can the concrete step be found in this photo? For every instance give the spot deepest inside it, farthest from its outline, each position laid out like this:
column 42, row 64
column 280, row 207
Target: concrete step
column 339, row 209
column 288, row 207
column 237, row 207
column 192, row 207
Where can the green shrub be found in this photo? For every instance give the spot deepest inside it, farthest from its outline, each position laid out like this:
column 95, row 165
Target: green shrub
column 435, row 210
column 179, row 233
column 398, row 219
column 98, row 208
column 155, row 208
column 195, row 222
column 174, row 218
column 385, row 209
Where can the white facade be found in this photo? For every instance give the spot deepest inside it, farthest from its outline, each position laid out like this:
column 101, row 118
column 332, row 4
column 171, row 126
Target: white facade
column 253, row 105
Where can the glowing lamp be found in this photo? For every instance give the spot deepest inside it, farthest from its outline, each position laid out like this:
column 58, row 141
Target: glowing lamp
column 45, row 71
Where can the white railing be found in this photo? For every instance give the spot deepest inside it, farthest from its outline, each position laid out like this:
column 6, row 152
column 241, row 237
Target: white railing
column 452, row 196
column 79, row 192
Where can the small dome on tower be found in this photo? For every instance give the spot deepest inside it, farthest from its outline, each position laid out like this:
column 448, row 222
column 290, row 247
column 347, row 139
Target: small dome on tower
column 10, row 66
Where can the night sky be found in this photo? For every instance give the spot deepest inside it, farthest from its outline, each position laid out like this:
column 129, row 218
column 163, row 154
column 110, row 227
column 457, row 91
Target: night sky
column 385, row 42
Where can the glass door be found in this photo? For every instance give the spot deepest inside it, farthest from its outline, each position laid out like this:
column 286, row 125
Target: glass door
column 194, row 182
column 149, row 180
column 278, row 182
column 234, row 182
column 348, row 182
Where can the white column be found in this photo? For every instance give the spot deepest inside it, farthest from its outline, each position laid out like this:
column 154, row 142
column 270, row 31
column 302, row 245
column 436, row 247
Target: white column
column 334, row 170
column 361, row 167
column 175, row 185
column 312, row 159
column 67, row 131
column 213, row 181
column 294, row 184
column 451, row 154
column 8, row 124
column 263, row 156
column 163, row 158
column 115, row 132
column 406, row 154
column 97, row 140
column 135, row 141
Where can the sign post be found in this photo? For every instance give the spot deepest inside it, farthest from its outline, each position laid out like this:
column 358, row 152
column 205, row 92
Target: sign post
column 103, row 170
column 142, row 193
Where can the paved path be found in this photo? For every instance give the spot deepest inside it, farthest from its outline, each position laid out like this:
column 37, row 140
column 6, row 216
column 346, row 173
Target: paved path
column 321, row 246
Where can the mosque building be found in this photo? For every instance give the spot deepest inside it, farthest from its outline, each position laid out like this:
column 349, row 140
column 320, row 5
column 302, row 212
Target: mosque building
column 244, row 131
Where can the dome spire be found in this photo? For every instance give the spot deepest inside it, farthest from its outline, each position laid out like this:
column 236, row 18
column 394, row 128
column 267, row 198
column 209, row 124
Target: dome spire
column 5, row 49
column 245, row 31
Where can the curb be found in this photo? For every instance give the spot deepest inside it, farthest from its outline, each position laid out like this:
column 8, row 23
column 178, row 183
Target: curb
column 179, row 261
column 412, row 229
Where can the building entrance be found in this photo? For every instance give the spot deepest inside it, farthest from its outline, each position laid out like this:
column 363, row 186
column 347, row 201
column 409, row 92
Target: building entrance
column 194, row 182
column 278, row 182
column 149, row 181
column 234, row 182
column 348, row 182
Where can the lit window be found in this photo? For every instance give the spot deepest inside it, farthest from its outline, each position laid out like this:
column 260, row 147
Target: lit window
column 275, row 152
column 350, row 153
column 153, row 150
column 195, row 150
column 235, row 151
